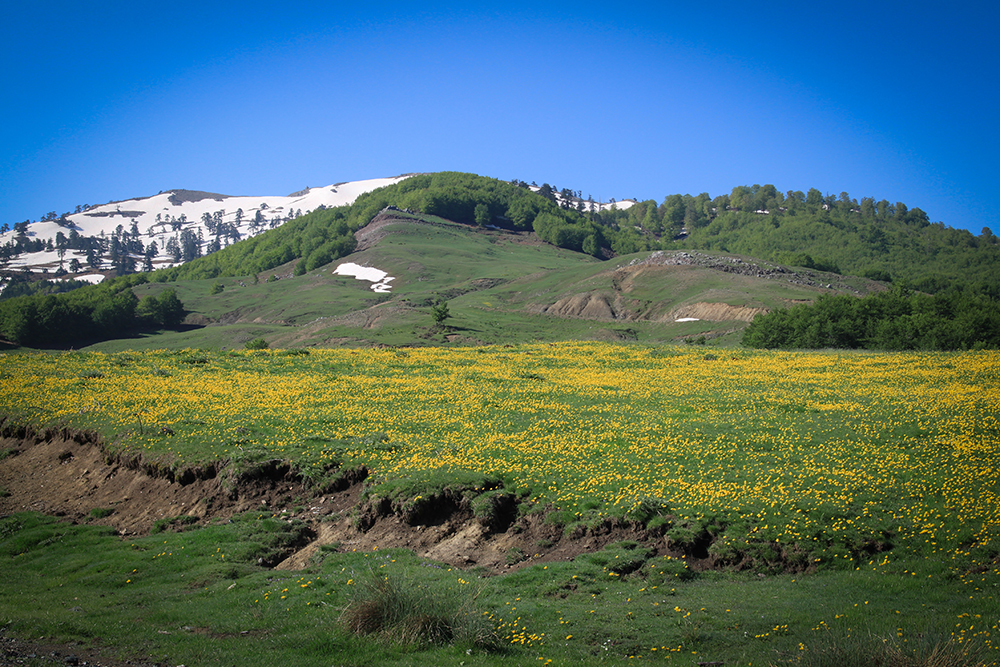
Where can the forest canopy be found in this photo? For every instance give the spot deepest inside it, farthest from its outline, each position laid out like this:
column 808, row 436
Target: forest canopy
column 897, row 319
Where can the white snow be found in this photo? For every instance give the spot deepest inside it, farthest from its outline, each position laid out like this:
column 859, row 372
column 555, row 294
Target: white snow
column 92, row 278
column 686, row 319
column 377, row 276
column 104, row 219
column 589, row 205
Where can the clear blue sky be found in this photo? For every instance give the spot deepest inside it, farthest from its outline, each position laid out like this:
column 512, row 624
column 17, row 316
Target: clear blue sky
column 112, row 100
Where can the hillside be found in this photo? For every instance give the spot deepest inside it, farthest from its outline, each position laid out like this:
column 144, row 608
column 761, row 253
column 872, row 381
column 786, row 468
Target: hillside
column 512, row 262
column 501, row 286
column 170, row 228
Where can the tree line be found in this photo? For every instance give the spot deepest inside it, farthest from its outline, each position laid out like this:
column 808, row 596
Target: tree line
column 870, row 238
column 961, row 318
column 96, row 312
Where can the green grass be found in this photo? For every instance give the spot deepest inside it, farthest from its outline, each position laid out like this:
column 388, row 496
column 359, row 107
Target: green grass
column 497, row 285
column 199, row 597
column 847, row 502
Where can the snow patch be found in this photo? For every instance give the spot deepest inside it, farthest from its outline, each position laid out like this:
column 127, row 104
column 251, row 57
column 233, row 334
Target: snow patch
column 92, row 278
column 686, row 319
column 377, row 276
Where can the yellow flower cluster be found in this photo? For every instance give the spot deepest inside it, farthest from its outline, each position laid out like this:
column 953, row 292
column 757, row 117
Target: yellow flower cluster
column 795, row 444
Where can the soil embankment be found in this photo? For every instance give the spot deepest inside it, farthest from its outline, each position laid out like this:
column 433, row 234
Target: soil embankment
column 70, row 474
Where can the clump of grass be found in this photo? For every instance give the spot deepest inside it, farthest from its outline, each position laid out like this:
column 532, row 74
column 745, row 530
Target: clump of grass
column 621, row 557
column 401, row 611
column 4, row 492
column 495, row 510
column 101, row 512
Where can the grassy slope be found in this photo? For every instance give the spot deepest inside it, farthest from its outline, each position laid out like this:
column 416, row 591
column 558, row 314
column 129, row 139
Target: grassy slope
column 498, row 286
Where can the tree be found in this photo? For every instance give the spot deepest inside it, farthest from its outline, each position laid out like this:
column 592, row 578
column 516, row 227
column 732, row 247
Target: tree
column 482, row 214
column 440, row 313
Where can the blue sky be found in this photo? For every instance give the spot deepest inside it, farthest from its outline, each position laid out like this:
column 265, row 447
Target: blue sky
column 112, row 100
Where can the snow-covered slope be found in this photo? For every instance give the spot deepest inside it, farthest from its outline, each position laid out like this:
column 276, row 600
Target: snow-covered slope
column 166, row 218
column 166, row 215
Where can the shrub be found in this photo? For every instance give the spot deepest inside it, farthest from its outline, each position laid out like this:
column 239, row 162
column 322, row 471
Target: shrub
column 257, row 344
column 101, row 512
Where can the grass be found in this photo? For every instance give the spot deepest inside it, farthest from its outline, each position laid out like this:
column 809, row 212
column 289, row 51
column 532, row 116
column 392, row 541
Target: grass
column 846, row 499
column 403, row 611
column 173, row 596
column 497, row 286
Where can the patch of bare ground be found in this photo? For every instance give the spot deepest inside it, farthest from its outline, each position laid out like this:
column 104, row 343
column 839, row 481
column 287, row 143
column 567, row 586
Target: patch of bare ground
column 70, row 473
column 716, row 312
column 14, row 651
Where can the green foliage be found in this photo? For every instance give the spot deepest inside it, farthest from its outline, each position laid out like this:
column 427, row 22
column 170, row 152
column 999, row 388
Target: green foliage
column 440, row 312
column 841, row 235
column 21, row 286
column 164, row 310
column 961, row 318
column 101, row 512
column 99, row 311
column 257, row 344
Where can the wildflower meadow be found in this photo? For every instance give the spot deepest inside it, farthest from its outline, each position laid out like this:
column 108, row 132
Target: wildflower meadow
column 873, row 465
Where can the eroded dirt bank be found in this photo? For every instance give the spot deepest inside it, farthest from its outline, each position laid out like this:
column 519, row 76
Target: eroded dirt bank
column 70, row 474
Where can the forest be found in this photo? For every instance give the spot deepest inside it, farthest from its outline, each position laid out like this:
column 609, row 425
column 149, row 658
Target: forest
column 95, row 312
column 960, row 318
column 869, row 238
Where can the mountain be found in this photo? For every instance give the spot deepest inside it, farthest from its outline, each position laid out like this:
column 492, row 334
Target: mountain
column 163, row 217
column 512, row 261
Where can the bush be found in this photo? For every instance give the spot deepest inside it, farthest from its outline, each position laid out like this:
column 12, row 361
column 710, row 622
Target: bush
column 257, row 344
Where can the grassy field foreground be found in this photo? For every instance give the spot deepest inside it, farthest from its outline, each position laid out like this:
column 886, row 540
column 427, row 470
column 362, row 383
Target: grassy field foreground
column 838, row 499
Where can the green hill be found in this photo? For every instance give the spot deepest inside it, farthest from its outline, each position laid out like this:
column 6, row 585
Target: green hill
column 501, row 286
column 515, row 265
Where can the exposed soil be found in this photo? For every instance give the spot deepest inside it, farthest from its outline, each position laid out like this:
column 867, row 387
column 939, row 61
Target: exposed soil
column 70, row 474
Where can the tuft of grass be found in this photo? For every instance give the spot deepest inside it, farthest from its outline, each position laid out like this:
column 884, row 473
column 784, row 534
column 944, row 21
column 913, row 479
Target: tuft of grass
column 401, row 611
column 101, row 512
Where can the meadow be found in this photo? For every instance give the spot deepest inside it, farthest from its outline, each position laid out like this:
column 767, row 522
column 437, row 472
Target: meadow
column 835, row 496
